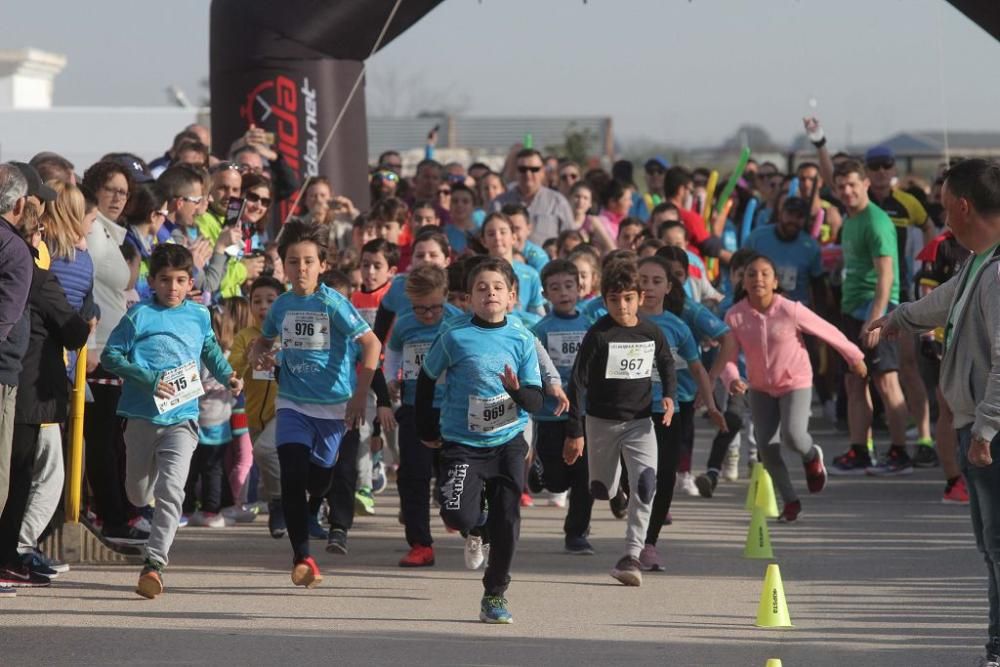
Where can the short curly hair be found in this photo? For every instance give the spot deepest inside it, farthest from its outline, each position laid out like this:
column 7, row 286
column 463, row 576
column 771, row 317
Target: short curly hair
column 98, row 174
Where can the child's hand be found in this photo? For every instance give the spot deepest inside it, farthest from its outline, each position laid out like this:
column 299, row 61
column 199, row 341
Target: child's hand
column 718, row 419
column 375, row 444
column 164, row 390
column 738, row 388
column 354, row 416
column 860, row 369
column 562, row 402
column 263, row 361
column 386, row 418
column 668, row 411
column 394, row 388
column 431, row 444
column 572, row 450
column 509, row 379
column 235, row 385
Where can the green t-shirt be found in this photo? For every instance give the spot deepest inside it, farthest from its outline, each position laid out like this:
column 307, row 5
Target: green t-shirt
column 958, row 306
column 865, row 236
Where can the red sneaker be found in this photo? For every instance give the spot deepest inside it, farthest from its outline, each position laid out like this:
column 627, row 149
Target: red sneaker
column 790, row 512
column 816, row 472
column 306, row 573
column 419, row 556
column 527, row 500
column 957, row 493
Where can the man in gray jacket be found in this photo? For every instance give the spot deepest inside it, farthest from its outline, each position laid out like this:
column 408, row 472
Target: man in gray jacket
column 968, row 307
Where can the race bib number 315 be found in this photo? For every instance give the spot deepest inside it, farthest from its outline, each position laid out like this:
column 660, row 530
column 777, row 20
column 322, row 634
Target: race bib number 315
column 305, row 330
column 186, row 381
column 630, row 361
column 487, row 415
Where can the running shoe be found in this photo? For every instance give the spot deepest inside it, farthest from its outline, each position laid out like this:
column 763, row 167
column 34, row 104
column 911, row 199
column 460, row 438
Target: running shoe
column 536, row 482
column 925, row 456
column 686, row 482
column 378, row 477
column 21, row 577
column 896, row 462
column 418, row 556
column 150, row 580
column 364, row 503
column 493, row 609
column 240, row 513
column 558, row 499
column 990, row 660
column 276, row 519
column 337, row 542
column 34, row 564
column 474, row 552
column 124, row 535
column 706, row 483
column 54, row 563
column 306, row 573
column 527, row 500
column 183, row 521
column 142, row 523
column 628, row 571
column 790, row 512
column 579, row 546
column 210, row 520
column 815, row 471
column 731, row 464
column 956, row 492
column 7, row 591
column 650, row 559
column 619, row 504
column 852, row 462
column 316, row 529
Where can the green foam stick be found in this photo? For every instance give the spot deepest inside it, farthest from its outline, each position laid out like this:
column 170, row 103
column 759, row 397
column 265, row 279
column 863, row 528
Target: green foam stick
column 529, row 141
column 733, row 179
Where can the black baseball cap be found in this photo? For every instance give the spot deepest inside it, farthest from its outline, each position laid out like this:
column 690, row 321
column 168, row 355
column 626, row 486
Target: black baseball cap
column 35, row 186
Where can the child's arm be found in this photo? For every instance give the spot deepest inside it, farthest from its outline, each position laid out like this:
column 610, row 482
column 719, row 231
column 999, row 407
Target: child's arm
column 115, row 357
column 261, row 357
column 577, row 386
column 811, row 323
column 238, row 355
column 697, row 370
column 371, row 349
column 551, row 379
column 728, row 350
column 215, row 360
column 668, row 375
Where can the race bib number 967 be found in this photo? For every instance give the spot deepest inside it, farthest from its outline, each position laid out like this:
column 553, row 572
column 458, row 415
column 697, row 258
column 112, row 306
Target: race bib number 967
column 630, row 361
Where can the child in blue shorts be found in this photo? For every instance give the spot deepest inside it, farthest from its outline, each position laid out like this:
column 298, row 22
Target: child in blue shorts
column 320, row 395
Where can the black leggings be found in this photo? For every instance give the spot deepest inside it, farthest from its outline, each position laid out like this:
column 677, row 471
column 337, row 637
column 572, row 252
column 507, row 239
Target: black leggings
column 733, row 415
column 343, row 484
column 24, row 446
column 300, row 476
column 206, row 467
column 669, row 442
column 104, row 433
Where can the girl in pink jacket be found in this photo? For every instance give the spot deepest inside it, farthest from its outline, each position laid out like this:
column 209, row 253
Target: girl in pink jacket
column 768, row 328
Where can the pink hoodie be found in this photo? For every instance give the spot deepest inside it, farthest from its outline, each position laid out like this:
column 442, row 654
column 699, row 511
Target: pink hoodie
column 776, row 357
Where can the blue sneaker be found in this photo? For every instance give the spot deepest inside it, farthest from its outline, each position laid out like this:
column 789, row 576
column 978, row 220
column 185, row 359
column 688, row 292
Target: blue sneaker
column 493, row 609
column 316, row 531
column 36, row 565
column 378, row 477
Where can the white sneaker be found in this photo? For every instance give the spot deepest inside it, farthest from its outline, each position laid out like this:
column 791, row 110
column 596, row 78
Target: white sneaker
column 238, row 514
column 206, row 520
column 731, row 465
column 474, row 553
column 686, row 481
column 143, row 524
column 558, row 499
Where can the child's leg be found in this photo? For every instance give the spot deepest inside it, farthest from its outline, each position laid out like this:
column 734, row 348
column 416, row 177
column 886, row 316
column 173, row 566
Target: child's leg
column 294, row 459
column 506, row 482
column 766, row 413
column 732, row 411
column 416, row 466
column 140, row 461
column 211, row 478
column 364, row 454
column 461, row 485
column 173, row 445
column 191, row 484
column 549, row 438
column 638, row 446
column 668, row 451
column 241, row 450
column 266, row 456
column 604, row 457
column 796, row 408
column 345, row 482
column 46, row 486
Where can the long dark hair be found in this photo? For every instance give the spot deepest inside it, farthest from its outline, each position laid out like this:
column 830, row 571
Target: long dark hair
column 738, row 292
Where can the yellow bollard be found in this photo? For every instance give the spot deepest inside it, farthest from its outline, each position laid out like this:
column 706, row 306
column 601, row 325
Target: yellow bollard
column 74, row 474
column 706, row 211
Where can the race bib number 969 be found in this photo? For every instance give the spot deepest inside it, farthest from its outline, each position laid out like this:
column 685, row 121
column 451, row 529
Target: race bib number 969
column 487, row 415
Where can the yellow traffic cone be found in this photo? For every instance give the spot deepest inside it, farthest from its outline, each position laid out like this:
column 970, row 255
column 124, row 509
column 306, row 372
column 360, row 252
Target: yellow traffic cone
column 752, row 489
column 773, row 611
column 765, row 495
column 758, row 541
column 773, row 662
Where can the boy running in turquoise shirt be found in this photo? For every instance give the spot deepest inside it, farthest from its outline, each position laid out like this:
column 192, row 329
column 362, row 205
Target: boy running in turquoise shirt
column 158, row 349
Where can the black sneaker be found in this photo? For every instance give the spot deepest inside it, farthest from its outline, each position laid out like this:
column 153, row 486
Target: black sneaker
column 854, row 462
column 579, row 546
column 628, row 571
column 925, row 457
column 619, row 504
column 896, row 462
column 124, row 535
column 22, row 577
column 336, row 543
column 706, row 483
column 36, row 565
column 276, row 519
column 536, row 483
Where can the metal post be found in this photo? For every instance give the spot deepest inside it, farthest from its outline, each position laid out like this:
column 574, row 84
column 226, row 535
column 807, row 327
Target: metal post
column 74, row 475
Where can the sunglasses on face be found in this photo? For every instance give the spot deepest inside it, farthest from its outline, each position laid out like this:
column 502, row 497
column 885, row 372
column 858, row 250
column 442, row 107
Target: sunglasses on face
column 194, row 200
column 444, row 192
column 524, row 169
column 882, row 163
column 257, row 199
column 569, row 176
column 223, row 166
column 384, row 175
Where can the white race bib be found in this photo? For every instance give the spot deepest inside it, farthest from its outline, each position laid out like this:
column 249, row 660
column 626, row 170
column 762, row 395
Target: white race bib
column 368, row 315
column 305, row 330
column 186, row 381
column 413, row 359
column 788, row 277
column 488, row 415
column 563, row 346
column 264, row 375
column 630, row 361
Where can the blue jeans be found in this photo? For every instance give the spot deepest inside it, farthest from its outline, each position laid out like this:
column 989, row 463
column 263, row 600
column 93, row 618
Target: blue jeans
column 984, row 506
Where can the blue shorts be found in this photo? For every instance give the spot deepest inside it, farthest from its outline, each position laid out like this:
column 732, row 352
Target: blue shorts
column 322, row 436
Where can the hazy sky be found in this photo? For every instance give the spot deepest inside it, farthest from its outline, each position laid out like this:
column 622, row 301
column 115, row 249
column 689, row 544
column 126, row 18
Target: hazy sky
column 678, row 71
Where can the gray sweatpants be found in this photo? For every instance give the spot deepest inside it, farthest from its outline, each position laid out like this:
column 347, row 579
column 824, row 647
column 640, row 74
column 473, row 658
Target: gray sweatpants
column 157, row 460
column 607, row 443
column 47, row 478
column 265, row 455
column 8, row 398
column 792, row 412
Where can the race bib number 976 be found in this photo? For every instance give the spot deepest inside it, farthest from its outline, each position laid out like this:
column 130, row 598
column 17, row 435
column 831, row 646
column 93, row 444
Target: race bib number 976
column 630, row 361
column 305, row 330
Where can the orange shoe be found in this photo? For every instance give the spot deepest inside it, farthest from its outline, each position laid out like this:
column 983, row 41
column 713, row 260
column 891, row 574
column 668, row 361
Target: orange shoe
column 306, row 573
column 419, row 556
column 150, row 582
column 957, row 493
column 527, row 500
